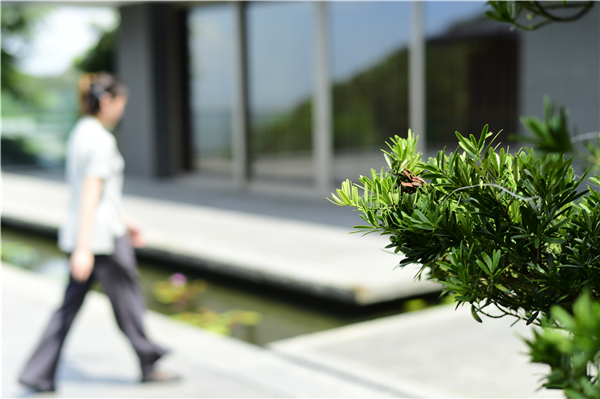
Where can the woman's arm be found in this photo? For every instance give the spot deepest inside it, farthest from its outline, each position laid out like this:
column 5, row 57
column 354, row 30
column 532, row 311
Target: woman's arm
column 82, row 258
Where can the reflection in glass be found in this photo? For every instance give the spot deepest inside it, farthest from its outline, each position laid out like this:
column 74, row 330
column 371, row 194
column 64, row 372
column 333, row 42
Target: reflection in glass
column 369, row 57
column 211, row 46
column 471, row 73
column 281, row 64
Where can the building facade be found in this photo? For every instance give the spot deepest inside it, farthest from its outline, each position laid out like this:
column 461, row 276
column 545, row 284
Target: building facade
column 301, row 95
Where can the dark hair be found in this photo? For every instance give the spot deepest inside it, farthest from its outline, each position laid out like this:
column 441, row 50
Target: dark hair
column 93, row 85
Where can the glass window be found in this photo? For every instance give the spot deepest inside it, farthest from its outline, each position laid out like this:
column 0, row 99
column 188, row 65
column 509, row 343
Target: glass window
column 369, row 66
column 471, row 73
column 211, row 47
column 281, row 63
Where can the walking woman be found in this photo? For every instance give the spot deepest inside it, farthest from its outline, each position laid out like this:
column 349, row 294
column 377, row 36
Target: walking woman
column 97, row 235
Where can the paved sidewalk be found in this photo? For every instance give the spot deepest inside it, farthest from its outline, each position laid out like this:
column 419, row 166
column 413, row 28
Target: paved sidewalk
column 99, row 362
column 437, row 352
column 321, row 259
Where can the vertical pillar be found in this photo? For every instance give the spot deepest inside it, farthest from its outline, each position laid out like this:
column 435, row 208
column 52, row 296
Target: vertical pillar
column 134, row 52
column 152, row 60
column 416, row 75
column 240, row 139
column 322, row 106
column 180, row 70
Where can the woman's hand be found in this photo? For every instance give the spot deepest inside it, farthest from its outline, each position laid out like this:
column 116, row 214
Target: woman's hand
column 82, row 264
column 135, row 234
column 133, row 230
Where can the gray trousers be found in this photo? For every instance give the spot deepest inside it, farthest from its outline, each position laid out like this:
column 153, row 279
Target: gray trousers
column 120, row 281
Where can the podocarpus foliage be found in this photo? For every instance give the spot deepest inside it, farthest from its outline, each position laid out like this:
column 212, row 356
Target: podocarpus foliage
column 519, row 233
column 572, row 350
column 536, row 13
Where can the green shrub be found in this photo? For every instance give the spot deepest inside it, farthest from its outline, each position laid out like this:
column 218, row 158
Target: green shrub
column 517, row 232
column 573, row 350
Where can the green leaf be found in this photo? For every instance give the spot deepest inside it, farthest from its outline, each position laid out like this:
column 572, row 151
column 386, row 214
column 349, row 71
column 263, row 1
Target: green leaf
column 502, row 288
column 475, row 315
column 532, row 318
column 466, row 145
column 553, row 240
column 483, row 266
column 422, row 217
column 495, row 17
column 484, row 135
column 522, row 236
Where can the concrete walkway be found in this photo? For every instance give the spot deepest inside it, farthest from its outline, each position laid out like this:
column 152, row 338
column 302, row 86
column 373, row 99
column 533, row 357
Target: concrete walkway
column 246, row 236
column 99, row 362
column 437, row 352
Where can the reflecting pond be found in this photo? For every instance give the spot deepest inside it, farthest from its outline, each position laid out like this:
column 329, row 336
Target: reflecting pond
column 251, row 312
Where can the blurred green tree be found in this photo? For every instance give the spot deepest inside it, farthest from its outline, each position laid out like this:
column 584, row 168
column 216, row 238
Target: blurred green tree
column 101, row 56
column 17, row 24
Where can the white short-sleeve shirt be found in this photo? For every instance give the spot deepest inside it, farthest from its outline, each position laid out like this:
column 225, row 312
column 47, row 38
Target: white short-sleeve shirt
column 92, row 151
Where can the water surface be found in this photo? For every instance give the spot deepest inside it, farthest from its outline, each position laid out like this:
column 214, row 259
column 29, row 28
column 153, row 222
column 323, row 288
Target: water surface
column 283, row 314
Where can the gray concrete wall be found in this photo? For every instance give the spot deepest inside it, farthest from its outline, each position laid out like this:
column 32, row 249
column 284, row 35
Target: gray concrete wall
column 134, row 50
column 562, row 60
column 152, row 59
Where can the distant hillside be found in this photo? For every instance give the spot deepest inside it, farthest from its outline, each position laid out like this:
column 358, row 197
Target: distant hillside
column 471, row 81
column 368, row 108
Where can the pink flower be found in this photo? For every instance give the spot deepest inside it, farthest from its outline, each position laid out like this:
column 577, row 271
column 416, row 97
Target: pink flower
column 178, row 279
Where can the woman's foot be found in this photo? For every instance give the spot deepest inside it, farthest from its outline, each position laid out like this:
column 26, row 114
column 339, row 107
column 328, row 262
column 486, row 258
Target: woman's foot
column 37, row 389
